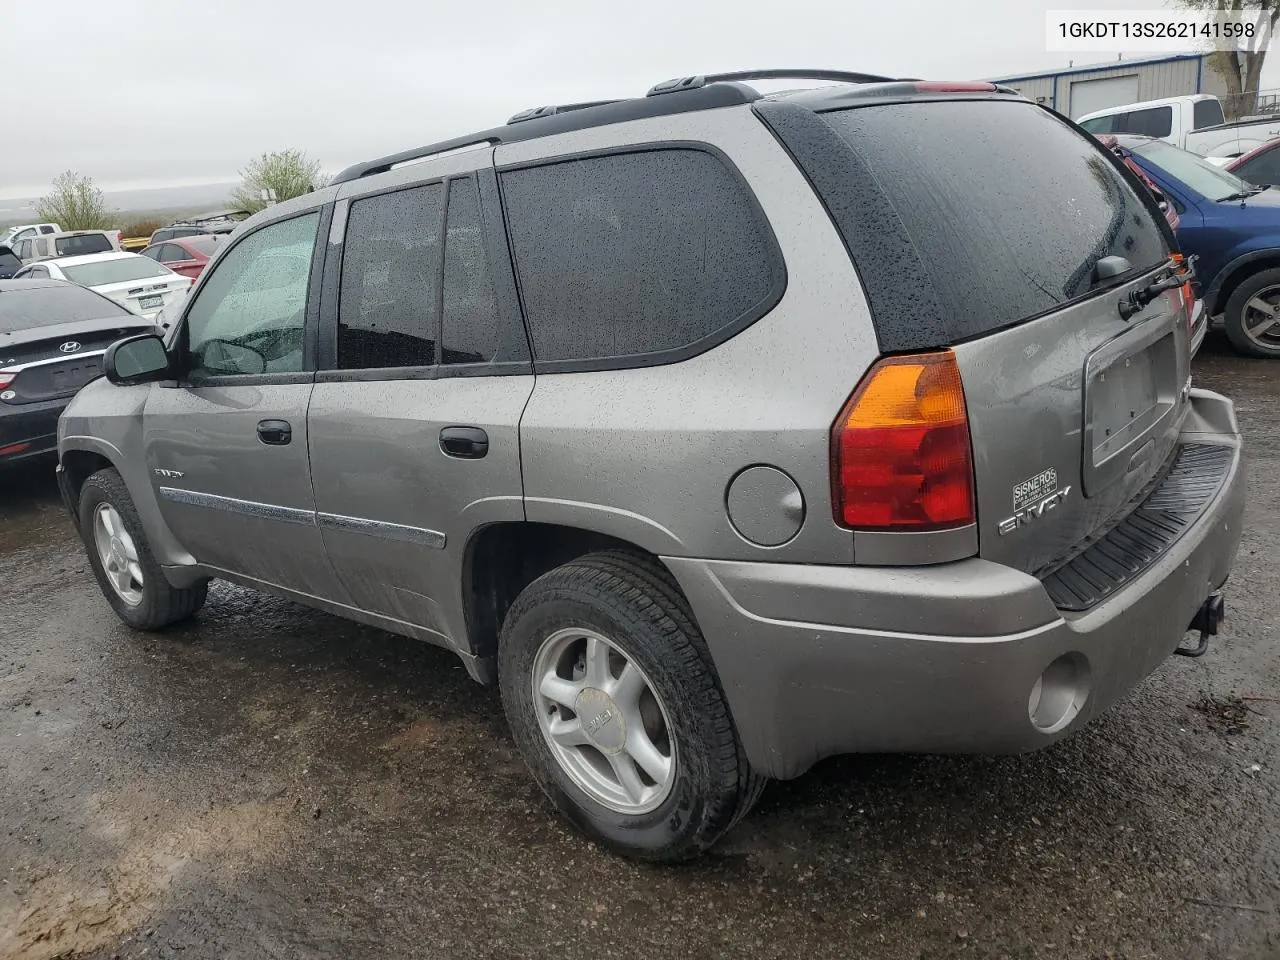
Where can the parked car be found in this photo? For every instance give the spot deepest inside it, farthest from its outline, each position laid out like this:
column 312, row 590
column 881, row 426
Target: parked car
column 1198, row 319
column 216, row 222
column 24, row 230
column 73, row 243
column 1260, row 166
column 9, row 262
column 1194, row 122
column 52, row 338
column 186, row 255
column 1233, row 228
column 803, row 437
column 137, row 283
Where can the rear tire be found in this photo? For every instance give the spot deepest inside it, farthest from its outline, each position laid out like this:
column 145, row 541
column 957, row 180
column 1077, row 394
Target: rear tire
column 1253, row 305
column 692, row 782
column 121, row 557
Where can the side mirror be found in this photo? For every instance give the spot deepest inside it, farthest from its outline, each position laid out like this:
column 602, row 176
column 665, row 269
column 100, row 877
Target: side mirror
column 137, row 359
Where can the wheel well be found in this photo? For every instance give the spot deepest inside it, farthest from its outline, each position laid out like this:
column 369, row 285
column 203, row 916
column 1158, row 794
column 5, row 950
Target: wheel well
column 503, row 559
column 1239, row 275
column 78, row 466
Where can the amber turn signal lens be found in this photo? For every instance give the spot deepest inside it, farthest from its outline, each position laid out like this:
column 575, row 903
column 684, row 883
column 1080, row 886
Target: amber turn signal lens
column 900, row 450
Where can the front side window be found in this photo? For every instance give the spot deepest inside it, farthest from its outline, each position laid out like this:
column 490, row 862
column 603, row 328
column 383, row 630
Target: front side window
column 250, row 314
column 387, row 299
column 632, row 254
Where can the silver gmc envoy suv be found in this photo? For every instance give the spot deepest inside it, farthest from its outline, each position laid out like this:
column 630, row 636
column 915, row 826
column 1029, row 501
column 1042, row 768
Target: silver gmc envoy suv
column 723, row 432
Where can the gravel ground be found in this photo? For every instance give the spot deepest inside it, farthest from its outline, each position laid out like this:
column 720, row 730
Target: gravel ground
column 268, row 781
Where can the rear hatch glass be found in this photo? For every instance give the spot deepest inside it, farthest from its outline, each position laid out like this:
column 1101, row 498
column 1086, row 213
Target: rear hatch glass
column 1008, row 208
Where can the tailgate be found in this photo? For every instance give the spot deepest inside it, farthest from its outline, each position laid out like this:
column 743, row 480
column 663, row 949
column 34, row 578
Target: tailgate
column 1072, row 417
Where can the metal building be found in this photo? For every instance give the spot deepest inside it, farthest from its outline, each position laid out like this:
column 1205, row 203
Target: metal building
column 1080, row 90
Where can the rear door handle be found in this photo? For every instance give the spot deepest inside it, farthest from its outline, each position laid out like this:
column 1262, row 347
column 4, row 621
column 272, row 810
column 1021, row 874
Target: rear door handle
column 275, row 432
column 465, row 443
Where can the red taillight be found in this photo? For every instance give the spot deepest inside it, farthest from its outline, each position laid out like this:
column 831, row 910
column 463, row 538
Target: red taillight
column 954, row 86
column 6, row 379
column 900, row 453
column 13, row 448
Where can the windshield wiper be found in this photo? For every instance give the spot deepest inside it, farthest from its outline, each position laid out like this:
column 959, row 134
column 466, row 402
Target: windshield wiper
column 1244, row 194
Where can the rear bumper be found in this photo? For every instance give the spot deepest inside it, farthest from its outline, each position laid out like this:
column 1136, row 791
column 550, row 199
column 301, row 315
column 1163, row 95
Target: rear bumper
column 817, row 661
column 32, row 424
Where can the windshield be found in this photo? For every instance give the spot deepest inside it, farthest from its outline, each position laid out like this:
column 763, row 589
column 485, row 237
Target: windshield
column 24, row 308
column 115, row 271
column 1204, row 178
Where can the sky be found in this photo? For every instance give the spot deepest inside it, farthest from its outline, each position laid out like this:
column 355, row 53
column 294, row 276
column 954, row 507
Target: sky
column 157, row 93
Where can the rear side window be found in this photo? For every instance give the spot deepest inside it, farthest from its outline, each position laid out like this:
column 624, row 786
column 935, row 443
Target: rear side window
column 1206, row 113
column 1156, row 122
column 387, row 302
column 625, row 256
column 88, row 243
column 966, row 217
column 471, row 328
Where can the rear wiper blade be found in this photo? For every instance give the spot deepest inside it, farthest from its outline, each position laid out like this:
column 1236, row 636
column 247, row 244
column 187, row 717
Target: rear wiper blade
column 1240, row 195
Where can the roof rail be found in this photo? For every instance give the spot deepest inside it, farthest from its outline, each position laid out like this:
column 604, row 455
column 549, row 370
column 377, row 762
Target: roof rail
column 533, row 113
column 693, row 83
column 545, row 121
column 383, row 164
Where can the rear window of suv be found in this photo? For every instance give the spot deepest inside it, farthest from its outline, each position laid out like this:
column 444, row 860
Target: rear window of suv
column 969, row 216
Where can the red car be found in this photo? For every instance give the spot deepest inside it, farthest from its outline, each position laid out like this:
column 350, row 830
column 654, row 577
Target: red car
column 186, row 255
column 1261, row 165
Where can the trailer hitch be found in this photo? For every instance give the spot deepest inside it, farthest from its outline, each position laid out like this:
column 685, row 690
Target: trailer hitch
column 1206, row 621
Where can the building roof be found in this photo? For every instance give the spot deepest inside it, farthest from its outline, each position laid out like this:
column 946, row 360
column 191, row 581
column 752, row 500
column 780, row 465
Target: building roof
column 1097, row 67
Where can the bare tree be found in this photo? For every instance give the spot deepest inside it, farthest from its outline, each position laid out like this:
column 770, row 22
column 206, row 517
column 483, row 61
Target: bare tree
column 75, row 204
column 283, row 174
column 1240, row 68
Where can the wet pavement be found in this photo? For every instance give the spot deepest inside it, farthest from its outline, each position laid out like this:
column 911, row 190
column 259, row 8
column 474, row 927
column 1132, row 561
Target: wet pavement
column 268, row 781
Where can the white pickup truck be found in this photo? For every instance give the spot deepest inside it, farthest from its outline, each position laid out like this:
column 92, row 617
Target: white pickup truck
column 1193, row 122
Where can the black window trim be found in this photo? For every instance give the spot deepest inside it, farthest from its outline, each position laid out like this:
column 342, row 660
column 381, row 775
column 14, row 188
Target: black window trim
column 776, row 261
column 501, row 270
column 310, row 316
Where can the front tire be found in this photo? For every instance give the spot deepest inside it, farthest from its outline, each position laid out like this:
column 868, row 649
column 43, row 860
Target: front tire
column 1252, row 315
column 613, row 702
column 121, row 557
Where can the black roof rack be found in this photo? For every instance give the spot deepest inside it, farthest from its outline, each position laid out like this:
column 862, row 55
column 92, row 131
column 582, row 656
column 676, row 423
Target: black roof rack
column 704, row 92
column 694, row 83
column 533, row 113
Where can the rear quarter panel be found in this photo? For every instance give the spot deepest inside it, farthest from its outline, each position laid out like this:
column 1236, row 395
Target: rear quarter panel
column 647, row 454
